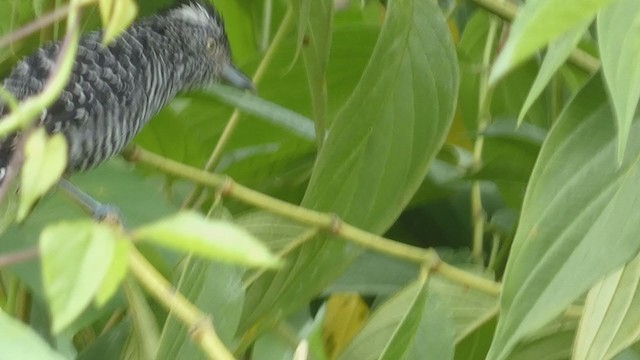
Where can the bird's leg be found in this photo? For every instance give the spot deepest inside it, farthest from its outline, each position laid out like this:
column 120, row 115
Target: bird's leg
column 98, row 210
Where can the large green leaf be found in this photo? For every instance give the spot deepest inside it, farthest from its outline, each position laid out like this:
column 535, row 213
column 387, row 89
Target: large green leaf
column 618, row 28
column 377, row 151
column 381, row 144
column 538, row 23
column 579, row 202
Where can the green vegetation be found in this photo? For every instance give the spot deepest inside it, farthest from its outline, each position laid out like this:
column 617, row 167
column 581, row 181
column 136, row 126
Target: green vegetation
column 413, row 180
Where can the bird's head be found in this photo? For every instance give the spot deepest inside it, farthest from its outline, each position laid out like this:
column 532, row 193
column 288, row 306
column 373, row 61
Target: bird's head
column 207, row 42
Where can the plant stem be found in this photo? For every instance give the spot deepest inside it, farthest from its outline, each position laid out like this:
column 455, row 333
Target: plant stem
column 225, row 137
column 267, row 13
column 39, row 23
column 327, row 222
column 478, row 215
column 507, row 11
column 201, row 329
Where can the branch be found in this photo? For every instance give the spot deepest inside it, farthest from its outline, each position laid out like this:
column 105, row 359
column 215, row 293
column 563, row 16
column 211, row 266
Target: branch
column 38, row 24
column 327, row 222
column 19, row 256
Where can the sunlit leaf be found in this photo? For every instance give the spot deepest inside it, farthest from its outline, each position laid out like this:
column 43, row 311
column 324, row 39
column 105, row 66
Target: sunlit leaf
column 537, row 24
column 75, row 259
column 215, row 239
column 46, row 159
column 116, row 274
column 558, row 52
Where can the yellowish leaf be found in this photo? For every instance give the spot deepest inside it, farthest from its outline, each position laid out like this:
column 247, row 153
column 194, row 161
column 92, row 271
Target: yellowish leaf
column 346, row 315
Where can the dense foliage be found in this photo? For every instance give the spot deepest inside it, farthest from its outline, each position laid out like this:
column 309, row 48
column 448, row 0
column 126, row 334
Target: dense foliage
column 413, row 180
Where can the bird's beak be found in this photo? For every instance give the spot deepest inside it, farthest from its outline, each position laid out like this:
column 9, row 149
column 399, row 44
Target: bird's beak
column 236, row 78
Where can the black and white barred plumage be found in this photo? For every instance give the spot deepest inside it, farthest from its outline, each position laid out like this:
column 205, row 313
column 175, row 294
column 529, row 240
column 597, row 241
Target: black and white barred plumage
column 114, row 90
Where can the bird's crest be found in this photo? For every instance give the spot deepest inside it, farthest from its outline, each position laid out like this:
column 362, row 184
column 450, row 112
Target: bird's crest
column 197, row 12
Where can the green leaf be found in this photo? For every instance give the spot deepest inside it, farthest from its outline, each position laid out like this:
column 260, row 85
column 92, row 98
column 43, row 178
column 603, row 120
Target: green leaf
column 108, row 344
column 145, row 336
column 392, row 328
column 295, row 123
column 552, row 342
column 558, row 52
column 578, row 202
column 435, row 336
column 18, row 341
column 611, row 315
column 475, row 343
column 46, row 159
column 117, row 272
column 381, row 143
column 618, row 27
column 75, row 259
column 537, row 24
column 377, row 151
column 213, row 239
column 116, row 16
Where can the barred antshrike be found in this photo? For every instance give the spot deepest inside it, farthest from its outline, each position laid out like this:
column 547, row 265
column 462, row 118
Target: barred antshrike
column 114, row 90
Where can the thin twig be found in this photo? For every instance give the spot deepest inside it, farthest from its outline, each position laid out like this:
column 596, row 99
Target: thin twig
column 19, row 256
column 38, row 24
column 478, row 215
column 327, row 222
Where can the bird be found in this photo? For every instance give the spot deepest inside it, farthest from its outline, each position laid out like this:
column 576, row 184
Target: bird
column 115, row 89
